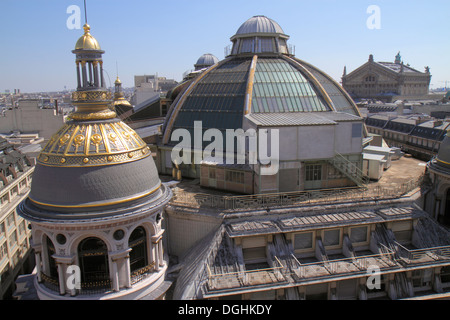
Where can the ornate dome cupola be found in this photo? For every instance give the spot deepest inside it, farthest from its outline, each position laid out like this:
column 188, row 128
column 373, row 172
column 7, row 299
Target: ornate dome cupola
column 121, row 104
column 205, row 61
column 260, row 34
column 96, row 201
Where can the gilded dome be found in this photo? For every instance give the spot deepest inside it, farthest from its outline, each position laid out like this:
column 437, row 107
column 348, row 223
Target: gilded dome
column 95, row 161
column 87, row 41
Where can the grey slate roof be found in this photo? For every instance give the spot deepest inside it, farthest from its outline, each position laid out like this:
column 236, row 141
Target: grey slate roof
column 81, row 186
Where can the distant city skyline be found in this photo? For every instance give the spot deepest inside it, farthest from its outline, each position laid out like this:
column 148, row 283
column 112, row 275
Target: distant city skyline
column 167, row 38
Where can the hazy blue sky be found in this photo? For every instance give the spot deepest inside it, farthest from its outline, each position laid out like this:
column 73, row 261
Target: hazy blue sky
column 167, row 37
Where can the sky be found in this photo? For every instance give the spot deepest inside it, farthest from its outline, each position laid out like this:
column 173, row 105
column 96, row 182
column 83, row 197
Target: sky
column 167, row 37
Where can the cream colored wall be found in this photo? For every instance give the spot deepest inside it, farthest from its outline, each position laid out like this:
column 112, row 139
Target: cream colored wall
column 30, row 120
column 186, row 230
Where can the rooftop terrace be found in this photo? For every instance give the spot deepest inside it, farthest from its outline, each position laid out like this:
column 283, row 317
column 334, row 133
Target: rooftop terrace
column 402, row 177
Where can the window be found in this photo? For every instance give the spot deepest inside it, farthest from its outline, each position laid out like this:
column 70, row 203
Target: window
column 303, row 240
column 2, row 229
column 212, row 173
column 3, row 251
column 4, row 199
column 234, row 176
column 13, row 239
column 331, row 237
column 247, row 45
column 22, row 227
column 10, row 220
column 93, row 255
column 52, row 267
column 138, row 245
column 313, row 172
column 358, row 234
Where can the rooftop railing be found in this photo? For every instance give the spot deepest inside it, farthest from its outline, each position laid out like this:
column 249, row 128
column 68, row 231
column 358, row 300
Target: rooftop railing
column 246, row 278
column 299, row 272
column 285, row 199
column 424, row 255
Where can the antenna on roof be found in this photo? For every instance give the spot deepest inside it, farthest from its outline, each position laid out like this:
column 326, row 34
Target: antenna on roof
column 85, row 12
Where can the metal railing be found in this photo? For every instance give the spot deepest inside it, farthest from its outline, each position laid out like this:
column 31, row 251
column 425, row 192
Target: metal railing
column 87, row 287
column 142, row 273
column 246, row 278
column 349, row 169
column 423, row 255
column 297, row 272
column 383, row 260
column 285, row 199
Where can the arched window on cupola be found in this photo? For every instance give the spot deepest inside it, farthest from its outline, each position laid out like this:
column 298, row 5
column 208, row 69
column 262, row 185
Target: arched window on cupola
column 138, row 244
column 93, row 259
column 52, row 269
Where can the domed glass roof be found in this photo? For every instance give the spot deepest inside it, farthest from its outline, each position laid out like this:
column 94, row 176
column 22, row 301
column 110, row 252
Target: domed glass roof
column 255, row 81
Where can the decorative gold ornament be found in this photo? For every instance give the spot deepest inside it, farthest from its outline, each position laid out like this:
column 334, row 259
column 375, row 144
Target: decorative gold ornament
column 64, row 139
column 79, row 139
column 114, row 142
column 96, row 138
column 113, row 137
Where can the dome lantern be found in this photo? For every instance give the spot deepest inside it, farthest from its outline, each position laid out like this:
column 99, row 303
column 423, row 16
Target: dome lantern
column 260, row 34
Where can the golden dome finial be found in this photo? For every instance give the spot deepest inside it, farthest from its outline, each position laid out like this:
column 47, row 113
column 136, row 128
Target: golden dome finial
column 87, row 41
column 86, row 28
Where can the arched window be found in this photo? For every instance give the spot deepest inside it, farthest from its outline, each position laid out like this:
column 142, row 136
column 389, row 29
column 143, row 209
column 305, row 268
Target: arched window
column 138, row 243
column 93, row 258
column 52, row 268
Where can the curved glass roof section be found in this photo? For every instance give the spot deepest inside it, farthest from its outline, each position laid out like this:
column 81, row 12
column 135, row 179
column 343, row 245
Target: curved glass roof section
column 218, row 99
column 280, row 87
column 341, row 101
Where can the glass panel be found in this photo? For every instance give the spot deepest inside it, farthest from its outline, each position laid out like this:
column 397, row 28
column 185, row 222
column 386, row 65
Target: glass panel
column 358, row 234
column 220, row 98
column 303, row 240
column 281, row 80
column 331, row 237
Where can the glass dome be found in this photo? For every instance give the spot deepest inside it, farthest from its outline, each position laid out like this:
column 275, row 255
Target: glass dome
column 253, row 81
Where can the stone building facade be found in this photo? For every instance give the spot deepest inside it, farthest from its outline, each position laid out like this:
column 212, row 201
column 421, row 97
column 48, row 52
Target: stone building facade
column 386, row 81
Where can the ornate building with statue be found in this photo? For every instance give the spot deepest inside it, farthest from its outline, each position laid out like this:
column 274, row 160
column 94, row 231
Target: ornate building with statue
column 386, row 81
